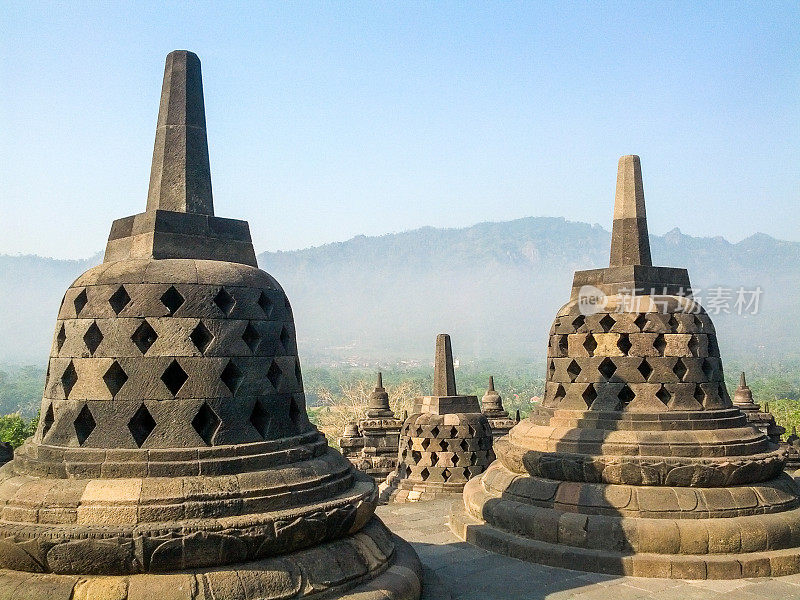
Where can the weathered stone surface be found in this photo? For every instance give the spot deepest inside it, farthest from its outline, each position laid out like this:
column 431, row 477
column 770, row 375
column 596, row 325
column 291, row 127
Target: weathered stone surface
column 637, row 459
column 174, row 453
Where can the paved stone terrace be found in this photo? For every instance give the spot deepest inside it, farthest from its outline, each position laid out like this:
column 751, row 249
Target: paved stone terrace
column 455, row 570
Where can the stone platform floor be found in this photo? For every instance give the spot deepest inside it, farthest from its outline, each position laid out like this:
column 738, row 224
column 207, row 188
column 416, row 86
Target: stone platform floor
column 455, row 570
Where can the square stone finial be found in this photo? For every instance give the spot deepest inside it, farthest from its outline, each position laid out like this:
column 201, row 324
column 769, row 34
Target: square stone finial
column 180, row 177
column 444, row 378
column 630, row 244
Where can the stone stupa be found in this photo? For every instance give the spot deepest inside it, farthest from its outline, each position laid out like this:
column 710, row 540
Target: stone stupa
column 371, row 443
column 174, row 457
column 763, row 420
column 492, row 407
column 637, row 462
column 444, row 442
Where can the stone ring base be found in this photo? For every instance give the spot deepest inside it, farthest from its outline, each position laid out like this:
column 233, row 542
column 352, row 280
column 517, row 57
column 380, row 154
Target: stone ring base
column 672, row 566
column 372, row 564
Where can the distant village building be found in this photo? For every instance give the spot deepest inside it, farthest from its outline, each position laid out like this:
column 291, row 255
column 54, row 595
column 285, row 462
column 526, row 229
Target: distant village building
column 371, row 443
column 492, row 407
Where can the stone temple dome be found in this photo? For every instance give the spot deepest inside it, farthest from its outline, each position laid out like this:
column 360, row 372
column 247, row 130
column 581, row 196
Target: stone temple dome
column 174, row 452
column 444, row 442
column 636, row 462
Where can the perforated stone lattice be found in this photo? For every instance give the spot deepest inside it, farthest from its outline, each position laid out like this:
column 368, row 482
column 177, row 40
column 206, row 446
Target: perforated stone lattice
column 103, row 329
column 624, row 361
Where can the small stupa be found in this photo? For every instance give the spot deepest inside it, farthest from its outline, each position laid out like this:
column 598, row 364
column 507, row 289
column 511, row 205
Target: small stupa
column 636, row 462
column 174, row 457
column 492, row 407
column 444, row 442
column 763, row 420
column 371, row 443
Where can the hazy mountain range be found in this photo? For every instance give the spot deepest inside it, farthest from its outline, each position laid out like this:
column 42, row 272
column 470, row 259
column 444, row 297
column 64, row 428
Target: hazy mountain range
column 494, row 286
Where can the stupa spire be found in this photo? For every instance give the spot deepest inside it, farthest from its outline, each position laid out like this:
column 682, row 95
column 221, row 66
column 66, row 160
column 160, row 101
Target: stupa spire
column 630, row 244
column 444, row 378
column 180, row 177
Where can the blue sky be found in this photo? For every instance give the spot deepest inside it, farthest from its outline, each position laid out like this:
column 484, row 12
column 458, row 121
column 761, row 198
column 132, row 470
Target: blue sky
column 329, row 120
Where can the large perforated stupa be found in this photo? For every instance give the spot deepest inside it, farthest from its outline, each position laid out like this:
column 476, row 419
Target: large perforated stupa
column 174, row 457
column 637, row 461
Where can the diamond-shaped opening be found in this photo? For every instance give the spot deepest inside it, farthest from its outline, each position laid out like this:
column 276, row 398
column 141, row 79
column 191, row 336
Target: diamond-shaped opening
column 231, row 376
column 284, row 337
column 48, row 420
column 174, row 377
column 679, row 369
column 708, row 369
column 464, row 445
column 590, row 344
column 265, row 304
column 61, row 337
column 114, row 378
column 80, row 302
column 471, row 430
column 446, row 474
column 454, row 459
column 84, row 424
column 251, row 337
column 259, row 418
column 435, row 431
column 589, row 395
column 660, row 344
column 416, row 456
column 607, row 322
column 434, row 458
column 274, row 374
column 563, row 345
column 699, row 394
column 141, row 425
column 408, row 471
column 453, row 432
column 573, row 370
column 640, row 321
column 663, row 395
column 551, row 369
column 645, row 369
column 624, row 344
column 424, row 473
column 297, row 374
column 698, row 322
column 673, row 324
column 444, row 445
column 69, row 378
column 425, row 443
column 224, row 301
column 561, row 393
column 93, row 337
column 626, row 395
column 694, row 345
column 607, row 368
column 172, row 299
column 205, row 423
column 578, row 322
column 144, row 337
column 201, row 337
column 119, row 300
